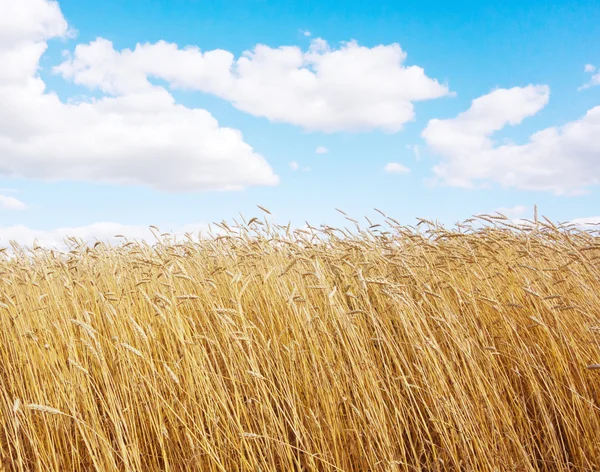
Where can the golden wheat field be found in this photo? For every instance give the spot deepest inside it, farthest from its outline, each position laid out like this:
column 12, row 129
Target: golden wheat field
column 390, row 348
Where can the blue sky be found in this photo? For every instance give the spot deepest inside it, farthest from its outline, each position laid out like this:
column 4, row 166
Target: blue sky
column 438, row 110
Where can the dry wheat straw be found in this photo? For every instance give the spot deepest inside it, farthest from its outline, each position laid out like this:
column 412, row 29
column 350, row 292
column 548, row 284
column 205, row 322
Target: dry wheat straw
column 390, row 348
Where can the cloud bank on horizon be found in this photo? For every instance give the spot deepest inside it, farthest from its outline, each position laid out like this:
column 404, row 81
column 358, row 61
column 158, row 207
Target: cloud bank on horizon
column 112, row 233
column 136, row 133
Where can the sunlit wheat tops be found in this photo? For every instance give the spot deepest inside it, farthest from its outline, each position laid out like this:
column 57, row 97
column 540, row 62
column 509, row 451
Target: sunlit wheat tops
column 376, row 348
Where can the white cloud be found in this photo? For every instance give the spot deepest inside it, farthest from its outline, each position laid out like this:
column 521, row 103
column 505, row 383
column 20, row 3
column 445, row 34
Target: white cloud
column 594, row 80
column 562, row 159
column 137, row 136
column 11, row 203
column 396, row 168
column 350, row 88
column 513, row 212
column 321, row 150
column 415, row 148
column 306, row 33
column 107, row 232
column 30, row 21
column 294, row 165
column 589, row 222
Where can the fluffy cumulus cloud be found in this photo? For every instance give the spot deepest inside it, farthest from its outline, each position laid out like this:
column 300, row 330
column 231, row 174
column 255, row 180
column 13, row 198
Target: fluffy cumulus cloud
column 396, row 168
column 321, row 150
column 134, row 135
column 112, row 233
column 351, row 88
column 561, row 159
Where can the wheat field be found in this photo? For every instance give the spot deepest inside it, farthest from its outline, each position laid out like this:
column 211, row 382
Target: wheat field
column 387, row 348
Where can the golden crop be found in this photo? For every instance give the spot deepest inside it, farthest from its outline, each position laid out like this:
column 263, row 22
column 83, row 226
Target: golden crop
column 319, row 350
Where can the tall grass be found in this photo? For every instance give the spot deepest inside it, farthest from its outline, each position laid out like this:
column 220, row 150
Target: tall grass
column 263, row 349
